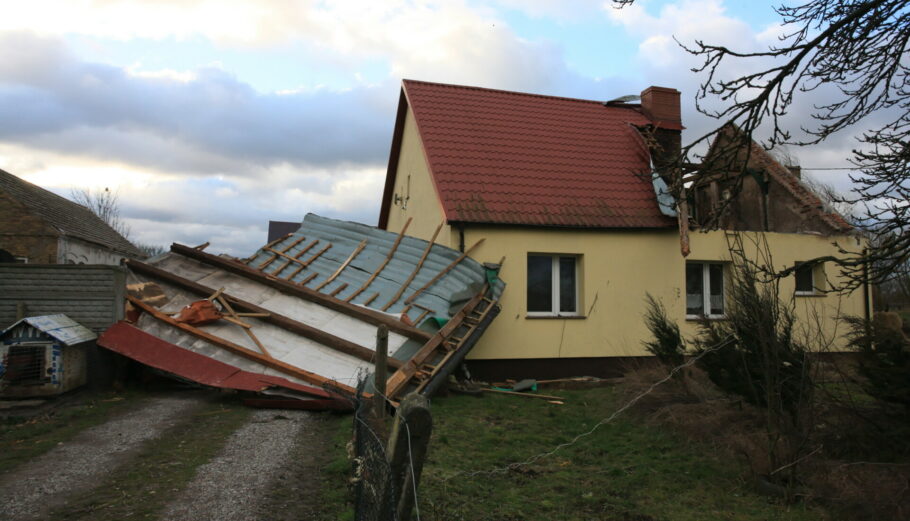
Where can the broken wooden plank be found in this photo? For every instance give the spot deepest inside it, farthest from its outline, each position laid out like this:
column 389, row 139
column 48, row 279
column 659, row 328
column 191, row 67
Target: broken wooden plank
column 339, row 289
column 443, row 272
column 299, row 254
column 413, row 274
column 526, row 395
column 310, row 277
column 382, row 266
column 359, row 312
column 278, row 365
column 371, row 299
column 248, row 329
column 283, row 250
column 400, row 378
column 327, row 339
column 202, row 246
column 344, row 264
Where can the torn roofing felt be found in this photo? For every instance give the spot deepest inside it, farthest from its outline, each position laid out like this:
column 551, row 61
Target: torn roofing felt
column 306, row 309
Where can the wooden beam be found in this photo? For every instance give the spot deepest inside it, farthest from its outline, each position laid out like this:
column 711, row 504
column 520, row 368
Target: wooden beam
column 283, row 250
column 299, row 254
column 413, row 274
column 339, row 289
column 401, row 377
column 443, row 272
column 278, row 365
column 382, row 266
column 344, row 265
column 310, row 277
column 371, row 299
column 267, row 246
column 299, row 328
column 289, row 288
column 248, row 329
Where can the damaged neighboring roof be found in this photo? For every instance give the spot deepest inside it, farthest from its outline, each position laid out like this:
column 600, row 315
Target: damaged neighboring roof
column 299, row 318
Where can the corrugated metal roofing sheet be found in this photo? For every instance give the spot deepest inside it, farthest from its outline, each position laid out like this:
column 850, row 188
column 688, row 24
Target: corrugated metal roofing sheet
column 59, row 327
column 457, row 286
column 515, row 158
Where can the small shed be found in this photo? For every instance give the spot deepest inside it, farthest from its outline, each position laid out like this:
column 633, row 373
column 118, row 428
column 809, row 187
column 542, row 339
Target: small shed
column 41, row 356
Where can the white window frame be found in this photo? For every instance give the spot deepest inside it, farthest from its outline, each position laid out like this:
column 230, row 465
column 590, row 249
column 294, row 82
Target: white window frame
column 22, row 260
column 554, row 286
column 706, row 289
column 817, row 273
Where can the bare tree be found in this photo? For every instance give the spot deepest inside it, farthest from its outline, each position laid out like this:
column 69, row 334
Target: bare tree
column 103, row 203
column 857, row 49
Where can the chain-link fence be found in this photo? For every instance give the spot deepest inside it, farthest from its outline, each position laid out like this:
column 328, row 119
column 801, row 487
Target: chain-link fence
column 375, row 497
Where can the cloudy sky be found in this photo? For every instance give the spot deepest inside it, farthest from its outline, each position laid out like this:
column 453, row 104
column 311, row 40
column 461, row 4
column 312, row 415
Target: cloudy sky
column 211, row 117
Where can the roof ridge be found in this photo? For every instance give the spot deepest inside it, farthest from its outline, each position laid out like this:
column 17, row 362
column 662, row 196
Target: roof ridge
column 405, row 81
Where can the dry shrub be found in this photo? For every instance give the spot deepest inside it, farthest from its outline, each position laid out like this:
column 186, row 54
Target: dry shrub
column 861, row 490
column 693, row 407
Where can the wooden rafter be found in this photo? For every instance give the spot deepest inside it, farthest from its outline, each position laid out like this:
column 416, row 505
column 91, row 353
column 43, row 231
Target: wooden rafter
column 365, row 314
column 382, row 266
column 443, row 272
column 294, row 326
column 344, row 265
column 278, row 365
column 413, row 274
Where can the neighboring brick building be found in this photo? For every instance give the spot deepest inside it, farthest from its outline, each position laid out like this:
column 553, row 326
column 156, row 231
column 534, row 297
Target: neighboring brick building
column 37, row 226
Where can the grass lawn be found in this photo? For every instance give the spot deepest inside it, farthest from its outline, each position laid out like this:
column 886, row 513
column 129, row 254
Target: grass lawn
column 623, row 471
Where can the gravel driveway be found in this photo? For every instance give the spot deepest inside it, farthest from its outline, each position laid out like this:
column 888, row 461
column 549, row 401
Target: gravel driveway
column 232, row 485
column 32, row 490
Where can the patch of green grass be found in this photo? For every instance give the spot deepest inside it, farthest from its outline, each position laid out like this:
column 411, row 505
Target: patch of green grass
column 22, row 439
column 334, row 492
column 624, row 470
column 156, row 475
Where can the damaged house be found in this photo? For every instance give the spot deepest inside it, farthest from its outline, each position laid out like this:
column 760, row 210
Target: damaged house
column 563, row 190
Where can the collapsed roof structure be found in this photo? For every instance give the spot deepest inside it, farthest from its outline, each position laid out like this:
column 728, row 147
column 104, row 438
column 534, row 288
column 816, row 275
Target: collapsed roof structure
column 299, row 318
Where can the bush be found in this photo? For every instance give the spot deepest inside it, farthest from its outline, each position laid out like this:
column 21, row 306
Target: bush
column 884, row 357
column 668, row 345
column 764, row 363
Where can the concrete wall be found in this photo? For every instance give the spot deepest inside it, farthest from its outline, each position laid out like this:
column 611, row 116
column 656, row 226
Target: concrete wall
column 75, row 251
column 24, row 235
column 91, row 295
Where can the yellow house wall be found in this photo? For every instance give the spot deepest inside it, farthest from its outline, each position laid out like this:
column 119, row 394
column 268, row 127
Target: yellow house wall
column 617, row 269
column 421, row 202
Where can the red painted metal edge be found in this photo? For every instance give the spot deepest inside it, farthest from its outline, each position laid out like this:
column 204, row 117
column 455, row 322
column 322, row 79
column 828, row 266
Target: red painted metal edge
column 308, row 405
column 150, row 350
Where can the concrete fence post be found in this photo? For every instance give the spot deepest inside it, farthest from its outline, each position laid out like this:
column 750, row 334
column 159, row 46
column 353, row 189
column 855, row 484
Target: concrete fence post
column 408, row 448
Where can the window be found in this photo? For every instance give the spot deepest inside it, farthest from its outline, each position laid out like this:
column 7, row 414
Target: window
column 808, row 278
column 552, row 285
column 704, row 290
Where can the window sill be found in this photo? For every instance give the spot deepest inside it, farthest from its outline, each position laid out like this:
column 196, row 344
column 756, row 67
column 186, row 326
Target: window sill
column 698, row 318
column 555, row 317
column 806, row 294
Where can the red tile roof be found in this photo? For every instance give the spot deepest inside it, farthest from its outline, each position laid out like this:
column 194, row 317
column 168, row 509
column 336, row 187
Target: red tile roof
column 513, row 158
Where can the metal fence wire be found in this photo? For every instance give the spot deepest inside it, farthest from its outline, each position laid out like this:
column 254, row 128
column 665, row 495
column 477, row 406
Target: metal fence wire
column 375, row 497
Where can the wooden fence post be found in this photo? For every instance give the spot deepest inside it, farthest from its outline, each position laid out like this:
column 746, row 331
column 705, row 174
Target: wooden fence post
column 408, row 448
column 381, row 374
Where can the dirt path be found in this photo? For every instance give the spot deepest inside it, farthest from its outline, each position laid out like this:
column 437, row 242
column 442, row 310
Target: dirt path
column 32, row 490
column 234, row 484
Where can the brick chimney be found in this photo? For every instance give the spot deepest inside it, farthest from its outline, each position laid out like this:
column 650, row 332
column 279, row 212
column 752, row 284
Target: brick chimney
column 661, row 106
